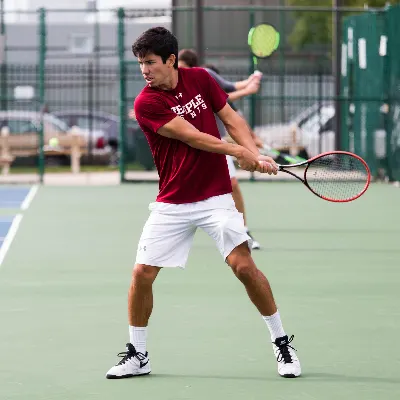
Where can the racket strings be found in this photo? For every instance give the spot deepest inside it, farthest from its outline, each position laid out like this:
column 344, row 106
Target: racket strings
column 337, row 177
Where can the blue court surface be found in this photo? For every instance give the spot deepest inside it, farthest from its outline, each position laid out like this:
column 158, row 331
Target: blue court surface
column 5, row 224
column 13, row 197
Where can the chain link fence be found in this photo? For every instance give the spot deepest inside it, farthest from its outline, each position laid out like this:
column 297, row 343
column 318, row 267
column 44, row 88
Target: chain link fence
column 75, row 68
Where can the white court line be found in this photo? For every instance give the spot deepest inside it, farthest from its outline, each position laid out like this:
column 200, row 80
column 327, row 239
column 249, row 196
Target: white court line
column 10, row 237
column 28, row 199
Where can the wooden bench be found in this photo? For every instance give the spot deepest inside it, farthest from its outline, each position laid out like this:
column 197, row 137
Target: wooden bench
column 12, row 146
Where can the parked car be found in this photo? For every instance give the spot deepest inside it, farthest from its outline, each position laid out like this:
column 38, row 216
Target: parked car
column 135, row 144
column 92, row 121
column 314, row 131
column 101, row 128
column 310, row 130
column 27, row 123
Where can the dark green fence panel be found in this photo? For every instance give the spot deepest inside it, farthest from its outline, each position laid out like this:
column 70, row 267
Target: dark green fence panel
column 363, row 88
column 393, row 25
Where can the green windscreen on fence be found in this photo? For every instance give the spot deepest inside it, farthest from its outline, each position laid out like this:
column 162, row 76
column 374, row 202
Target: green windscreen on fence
column 370, row 87
column 393, row 126
column 369, row 90
column 365, row 88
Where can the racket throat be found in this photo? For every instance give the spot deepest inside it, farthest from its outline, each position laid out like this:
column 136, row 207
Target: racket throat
column 293, row 174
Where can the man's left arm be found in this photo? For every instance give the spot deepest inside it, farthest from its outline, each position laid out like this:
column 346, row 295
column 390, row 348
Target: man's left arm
column 240, row 132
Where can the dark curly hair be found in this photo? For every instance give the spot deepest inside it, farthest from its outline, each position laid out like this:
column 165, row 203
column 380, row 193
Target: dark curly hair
column 159, row 41
column 189, row 57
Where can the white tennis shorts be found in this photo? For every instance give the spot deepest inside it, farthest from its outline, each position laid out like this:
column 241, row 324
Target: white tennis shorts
column 168, row 233
column 231, row 167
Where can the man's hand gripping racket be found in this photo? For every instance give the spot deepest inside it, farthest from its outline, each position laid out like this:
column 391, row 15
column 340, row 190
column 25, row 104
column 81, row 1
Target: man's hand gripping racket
column 260, row 163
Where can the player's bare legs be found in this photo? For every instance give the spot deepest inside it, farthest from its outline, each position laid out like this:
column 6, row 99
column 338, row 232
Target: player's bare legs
column 255, row 282
column 135, row 360
column 260, row 293
column 140, row 296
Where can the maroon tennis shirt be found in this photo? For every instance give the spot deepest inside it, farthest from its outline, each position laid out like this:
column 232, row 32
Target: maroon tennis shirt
column 186, row 174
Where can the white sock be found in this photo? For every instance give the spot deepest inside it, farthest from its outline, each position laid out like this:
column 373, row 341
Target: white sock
column 138, row 336
column 274, row 324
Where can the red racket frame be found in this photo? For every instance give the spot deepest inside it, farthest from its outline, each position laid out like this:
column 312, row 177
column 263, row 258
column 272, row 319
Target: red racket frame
column 310, row 161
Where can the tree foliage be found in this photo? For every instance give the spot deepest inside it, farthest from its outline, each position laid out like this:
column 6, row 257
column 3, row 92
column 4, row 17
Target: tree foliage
column 315, row 27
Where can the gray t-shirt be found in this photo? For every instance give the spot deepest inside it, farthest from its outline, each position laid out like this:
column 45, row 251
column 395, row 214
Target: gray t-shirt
column 228, row 87
column 225, row 85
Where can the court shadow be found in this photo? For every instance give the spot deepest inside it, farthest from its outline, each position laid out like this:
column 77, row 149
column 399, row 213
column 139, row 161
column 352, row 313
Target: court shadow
column 321, row 377
column 219, row 377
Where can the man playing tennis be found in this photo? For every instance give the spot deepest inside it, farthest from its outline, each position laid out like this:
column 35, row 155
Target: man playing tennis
column 176, row 111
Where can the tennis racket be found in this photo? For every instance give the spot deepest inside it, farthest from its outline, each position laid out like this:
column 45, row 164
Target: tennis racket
column 263, row 40
column 337, row 176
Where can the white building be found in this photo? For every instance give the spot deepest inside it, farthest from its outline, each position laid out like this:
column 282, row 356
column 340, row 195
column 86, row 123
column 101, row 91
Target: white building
column 19, row 8
column 34, row 4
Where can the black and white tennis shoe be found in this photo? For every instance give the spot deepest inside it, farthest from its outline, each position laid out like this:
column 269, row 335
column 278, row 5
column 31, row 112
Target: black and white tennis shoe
column 133, row 363
column 288, row 363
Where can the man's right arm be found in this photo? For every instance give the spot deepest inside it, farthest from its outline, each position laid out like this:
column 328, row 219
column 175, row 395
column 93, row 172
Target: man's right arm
column 180, row 129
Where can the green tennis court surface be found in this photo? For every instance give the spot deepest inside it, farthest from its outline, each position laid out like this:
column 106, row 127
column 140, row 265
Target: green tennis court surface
column 334, row 270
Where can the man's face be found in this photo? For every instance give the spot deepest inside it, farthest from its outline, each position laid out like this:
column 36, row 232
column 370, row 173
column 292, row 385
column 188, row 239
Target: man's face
column 154, row 71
